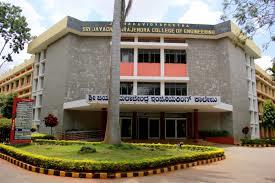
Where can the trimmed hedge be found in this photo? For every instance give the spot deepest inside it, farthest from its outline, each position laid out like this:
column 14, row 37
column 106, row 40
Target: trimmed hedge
column 36, row 136
column 5, row 128
column 201, row 153
column 213, row 133
column 257, row 141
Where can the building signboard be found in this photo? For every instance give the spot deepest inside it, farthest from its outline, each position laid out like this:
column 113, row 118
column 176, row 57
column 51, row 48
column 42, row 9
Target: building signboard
column 151, row 27
column 149, row 99
column 22, row 116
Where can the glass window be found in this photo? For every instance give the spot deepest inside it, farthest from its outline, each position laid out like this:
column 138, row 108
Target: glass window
column 175, row 56
column 154, row 128
column 149, row 39
column 16, row 83
column 126, row 127
column 181, row 128
column 175, row 128
column 127, row 39
column 149, row 55
column 126, row 88
column 127, row 55
column 179, row 89
column 170, row 128
column 148, row 88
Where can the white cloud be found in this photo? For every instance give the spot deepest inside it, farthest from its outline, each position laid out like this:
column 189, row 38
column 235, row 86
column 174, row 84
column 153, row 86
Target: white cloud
column 199, row 13
column 264, row 62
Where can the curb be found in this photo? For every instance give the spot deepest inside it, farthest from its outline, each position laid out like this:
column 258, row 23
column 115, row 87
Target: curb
column 105, row 175
column 255, row 145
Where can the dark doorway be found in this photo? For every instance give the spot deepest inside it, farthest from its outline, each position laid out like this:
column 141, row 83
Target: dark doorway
column 143, row 128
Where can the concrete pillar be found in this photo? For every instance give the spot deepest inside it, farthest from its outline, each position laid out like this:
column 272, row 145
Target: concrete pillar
column 104, row 113
column 196, row 124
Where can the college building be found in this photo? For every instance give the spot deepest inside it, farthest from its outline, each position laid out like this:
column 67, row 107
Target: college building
column 18, row 80
column 265, row 91
column 175, row 79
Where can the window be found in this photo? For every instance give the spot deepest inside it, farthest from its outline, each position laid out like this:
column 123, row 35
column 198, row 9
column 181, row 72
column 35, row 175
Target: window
column 34, row 100
column 28, row 79
column 44, row 54
column 154, row 128
column 127, row 39
column 22, row 81
column 126, row 88
column 16, row 83
column 11, row 86
column 148, row 39
column 126, row 127
column 127, row 55
column 39, row 100
column 148, row 88
column 175, row 128
column 42, row 68
column 174, row 40
column 41, row 82
column 8, row 87
column 175, row 56
column 39, row 57
column 38, row 113
column 179, row 89
column 35, row 84
column 149, row 56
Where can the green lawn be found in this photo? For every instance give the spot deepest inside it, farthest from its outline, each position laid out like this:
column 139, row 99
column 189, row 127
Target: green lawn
column 104, row 152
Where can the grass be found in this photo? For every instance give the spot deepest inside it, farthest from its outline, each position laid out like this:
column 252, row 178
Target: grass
column 104, row 152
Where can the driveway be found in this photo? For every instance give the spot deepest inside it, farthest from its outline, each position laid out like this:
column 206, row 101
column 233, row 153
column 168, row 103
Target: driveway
column 242, row 164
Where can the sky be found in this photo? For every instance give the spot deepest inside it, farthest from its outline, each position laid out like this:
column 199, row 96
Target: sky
column 42, row 14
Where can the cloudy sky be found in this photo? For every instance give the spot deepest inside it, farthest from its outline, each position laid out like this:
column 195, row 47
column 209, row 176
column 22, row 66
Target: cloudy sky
column 42, row 14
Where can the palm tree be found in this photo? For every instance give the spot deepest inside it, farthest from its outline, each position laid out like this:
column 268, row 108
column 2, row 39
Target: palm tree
column 112, row 134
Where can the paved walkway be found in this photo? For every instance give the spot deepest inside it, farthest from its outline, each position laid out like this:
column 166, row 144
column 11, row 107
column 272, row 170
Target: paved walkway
column 243, row 164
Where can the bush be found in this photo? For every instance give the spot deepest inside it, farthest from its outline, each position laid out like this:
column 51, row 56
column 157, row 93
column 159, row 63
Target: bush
column 257, row 141
column 36, row 136
column 5, row 128
column 213, row 133
column 87, row 149
column 202, row 152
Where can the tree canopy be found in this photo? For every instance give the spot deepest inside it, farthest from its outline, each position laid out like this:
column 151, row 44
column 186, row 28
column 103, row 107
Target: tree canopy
column 251, row 15
column 269, row 116
column 14, row 31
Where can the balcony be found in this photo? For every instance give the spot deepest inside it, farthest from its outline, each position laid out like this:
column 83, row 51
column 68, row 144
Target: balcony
column 148, row 69
column 127, row 69
column 175, row 70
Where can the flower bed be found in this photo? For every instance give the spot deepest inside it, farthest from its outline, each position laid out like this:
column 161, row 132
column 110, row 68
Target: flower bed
column 200, row 153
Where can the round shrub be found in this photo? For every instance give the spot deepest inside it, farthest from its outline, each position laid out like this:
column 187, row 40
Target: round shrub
column 87, row 149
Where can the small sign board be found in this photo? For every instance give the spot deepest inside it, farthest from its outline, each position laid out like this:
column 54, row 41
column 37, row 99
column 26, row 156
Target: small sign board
column 21, row 121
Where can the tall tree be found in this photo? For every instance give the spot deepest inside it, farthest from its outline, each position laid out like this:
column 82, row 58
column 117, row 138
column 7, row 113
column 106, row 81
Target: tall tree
column 251, row 15
column 112, row 134
column 271, row 70
column 14, row 31
column 6, row 109
column 269, row 117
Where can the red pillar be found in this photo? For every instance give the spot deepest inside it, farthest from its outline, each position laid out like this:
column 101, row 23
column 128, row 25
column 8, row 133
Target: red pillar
column 104, row 113
column 196, row 123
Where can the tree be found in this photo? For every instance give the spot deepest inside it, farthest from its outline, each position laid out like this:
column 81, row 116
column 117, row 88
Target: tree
column 14, row 31
column 6, row 109
column 51, row 121
column 272, row 70
column 251, row 15
column 269, row 117
column 112, row 134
